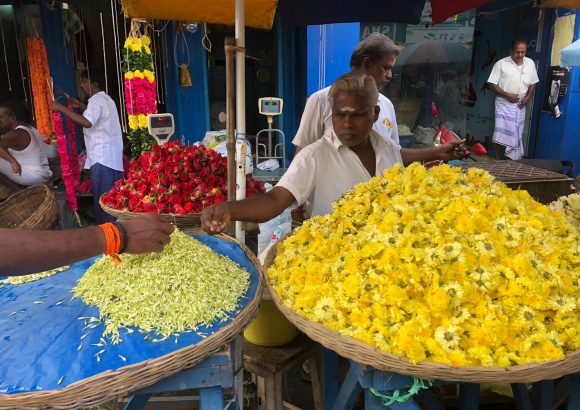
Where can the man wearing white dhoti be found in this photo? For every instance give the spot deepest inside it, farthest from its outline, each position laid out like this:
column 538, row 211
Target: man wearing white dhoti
column 513, row 79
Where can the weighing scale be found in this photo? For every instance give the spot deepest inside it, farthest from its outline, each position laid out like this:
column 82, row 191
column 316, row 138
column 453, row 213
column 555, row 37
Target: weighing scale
column 275, row 147
column 161, row 127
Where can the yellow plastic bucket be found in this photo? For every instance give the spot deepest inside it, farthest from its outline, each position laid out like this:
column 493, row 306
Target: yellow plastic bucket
column 270, row 327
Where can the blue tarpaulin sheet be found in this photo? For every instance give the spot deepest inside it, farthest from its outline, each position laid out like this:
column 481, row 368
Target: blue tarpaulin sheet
column 40, row 341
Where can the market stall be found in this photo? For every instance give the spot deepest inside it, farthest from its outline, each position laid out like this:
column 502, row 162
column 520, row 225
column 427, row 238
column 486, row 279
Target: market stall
column 57, row 351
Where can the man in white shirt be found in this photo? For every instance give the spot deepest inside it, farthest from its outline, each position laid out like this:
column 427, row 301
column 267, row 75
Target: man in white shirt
column 374, row 56
column 513, row 79
column 103, row 138
column 350, row 152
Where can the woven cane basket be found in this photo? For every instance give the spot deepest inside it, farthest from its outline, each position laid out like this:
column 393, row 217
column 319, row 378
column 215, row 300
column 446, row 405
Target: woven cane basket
column 32, row 208
column 366, row 354
column 185, row 221
column 110, row 385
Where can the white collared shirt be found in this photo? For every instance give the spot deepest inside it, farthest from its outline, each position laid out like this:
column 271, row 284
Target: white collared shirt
column 323, row 171
column 317, row 118
column 511, row 78
column 104, row 140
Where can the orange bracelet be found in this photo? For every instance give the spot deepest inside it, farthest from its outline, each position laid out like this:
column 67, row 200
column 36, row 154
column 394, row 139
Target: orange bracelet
column 112, row 238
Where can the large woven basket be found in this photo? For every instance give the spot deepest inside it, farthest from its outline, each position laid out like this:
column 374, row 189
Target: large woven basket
column 366, row 354
column 32, row 208
column 110, row 385
column 185, row 221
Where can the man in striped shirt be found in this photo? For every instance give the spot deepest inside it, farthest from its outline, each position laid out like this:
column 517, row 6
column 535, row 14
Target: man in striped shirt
column 103, row 138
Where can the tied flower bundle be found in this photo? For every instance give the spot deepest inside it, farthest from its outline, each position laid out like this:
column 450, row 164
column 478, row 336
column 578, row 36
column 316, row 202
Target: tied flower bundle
column 174, row 179
column 40, row 82
column 140, row 90
column 439, row 265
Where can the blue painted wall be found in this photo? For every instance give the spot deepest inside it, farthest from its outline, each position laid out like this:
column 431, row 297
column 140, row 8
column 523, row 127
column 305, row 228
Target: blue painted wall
column 189, row 105
column 559, row 139
column 336, row 41
column 60, row 59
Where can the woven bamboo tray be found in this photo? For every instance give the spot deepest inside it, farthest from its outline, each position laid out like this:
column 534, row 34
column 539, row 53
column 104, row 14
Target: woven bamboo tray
column 110, row 385
column 32, row 208
column 366, row 354
column 185, row 221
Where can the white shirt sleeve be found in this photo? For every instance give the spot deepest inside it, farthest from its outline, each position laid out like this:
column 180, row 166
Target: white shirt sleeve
column 534, row 73
column 495, row 75
column 300, row 177
column 93, row 111
column 311, row 124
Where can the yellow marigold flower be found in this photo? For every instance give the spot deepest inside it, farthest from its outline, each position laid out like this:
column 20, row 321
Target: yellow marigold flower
column 142, row 118
column 150, row 75
column 129, row 75
column 133, row 122
column 451, row 266
column 146, row 40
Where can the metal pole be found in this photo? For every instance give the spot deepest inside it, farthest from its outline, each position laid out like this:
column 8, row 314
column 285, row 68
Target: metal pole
column 240, row 35
column 230, row 49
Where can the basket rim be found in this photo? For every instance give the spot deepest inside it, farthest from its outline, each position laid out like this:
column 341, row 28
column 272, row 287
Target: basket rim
column 119, row 212
column 369, row 355
column 110, row 384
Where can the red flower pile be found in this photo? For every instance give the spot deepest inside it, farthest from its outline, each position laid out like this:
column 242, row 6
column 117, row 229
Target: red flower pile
column 175, row 179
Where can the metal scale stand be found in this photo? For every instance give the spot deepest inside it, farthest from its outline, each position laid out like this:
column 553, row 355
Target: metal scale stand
column 270, row 142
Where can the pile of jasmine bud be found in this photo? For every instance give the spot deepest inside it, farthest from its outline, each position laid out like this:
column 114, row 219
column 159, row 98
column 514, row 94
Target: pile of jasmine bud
column 186, row 286
column 19, row 280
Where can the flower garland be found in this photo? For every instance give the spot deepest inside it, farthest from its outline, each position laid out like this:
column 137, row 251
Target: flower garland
column 440, row 265
column 40, row 82
column 67, row 151
column 140, row 90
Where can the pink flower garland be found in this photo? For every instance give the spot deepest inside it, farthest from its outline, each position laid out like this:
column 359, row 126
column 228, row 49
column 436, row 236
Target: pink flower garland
column 141, row 95
column 68, row 175
column 73, row 151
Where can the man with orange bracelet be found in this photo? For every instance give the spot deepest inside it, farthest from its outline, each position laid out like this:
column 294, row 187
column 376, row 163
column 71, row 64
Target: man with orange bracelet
column 23, row 252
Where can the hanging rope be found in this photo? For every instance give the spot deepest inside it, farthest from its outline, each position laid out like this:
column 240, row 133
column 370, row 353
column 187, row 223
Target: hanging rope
column 322, row 58
column 5, row 56
column 19, row 54
column 85, row 47
column 104, row 54
column 205, row 41
column 398, row 397
column 120, row 88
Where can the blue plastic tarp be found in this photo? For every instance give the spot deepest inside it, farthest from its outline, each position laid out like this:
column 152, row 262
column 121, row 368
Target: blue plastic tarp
column 570, row 56
column 40, row 341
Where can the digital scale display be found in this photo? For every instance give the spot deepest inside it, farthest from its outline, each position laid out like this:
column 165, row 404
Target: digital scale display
column 161, row 127
column 270, row 106
column 161, row 122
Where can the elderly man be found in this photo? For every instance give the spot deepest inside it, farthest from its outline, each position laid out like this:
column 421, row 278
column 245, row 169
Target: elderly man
column 513, row 79
column 350, row 152
column 374, row 56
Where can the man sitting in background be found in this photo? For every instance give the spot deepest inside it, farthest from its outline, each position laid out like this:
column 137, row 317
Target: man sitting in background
column 23, row 160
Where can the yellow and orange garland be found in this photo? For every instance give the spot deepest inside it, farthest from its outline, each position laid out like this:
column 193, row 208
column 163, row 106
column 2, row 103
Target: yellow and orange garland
column 41, row 85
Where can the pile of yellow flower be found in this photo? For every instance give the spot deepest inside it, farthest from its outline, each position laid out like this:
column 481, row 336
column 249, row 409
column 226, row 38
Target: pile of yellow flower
column 440, row 265
column 570, row 205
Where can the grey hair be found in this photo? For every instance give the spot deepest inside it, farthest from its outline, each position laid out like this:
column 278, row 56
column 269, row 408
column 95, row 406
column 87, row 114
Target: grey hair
column 375, row 47
column 360, row 84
